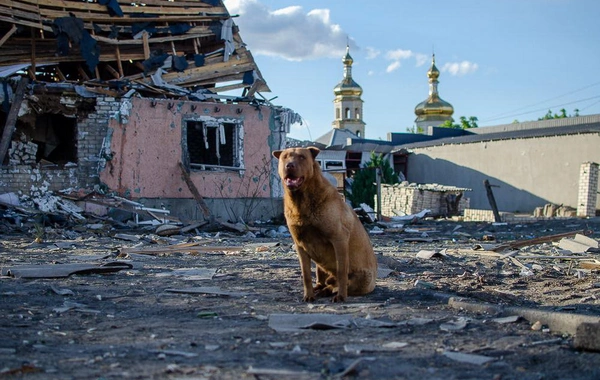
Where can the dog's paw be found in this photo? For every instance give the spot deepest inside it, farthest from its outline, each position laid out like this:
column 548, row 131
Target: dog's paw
column 322, row 291
column 337, row 298
column 308, row 299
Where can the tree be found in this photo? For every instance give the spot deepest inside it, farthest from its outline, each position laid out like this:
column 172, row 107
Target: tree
column 563, row 114
column 465, row 123
column 363, row 187
column 415, row 129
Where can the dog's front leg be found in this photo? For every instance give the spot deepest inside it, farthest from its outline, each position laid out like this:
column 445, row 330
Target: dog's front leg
column 343, row 266
column 309, row 295
column 321, row 279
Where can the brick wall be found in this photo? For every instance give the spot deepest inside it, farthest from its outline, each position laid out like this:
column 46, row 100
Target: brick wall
column 408, row 199
column 588, row 189
column 91, row 131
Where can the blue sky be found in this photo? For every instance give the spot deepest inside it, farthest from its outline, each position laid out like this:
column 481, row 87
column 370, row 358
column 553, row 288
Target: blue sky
column 500, row 60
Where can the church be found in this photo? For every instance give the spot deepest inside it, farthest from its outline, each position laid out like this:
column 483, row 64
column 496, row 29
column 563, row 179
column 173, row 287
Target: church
column 465, row 158
column 348, row 108
column 346, row 147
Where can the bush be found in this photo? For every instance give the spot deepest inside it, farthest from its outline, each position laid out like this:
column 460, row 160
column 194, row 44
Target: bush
column 364, row 186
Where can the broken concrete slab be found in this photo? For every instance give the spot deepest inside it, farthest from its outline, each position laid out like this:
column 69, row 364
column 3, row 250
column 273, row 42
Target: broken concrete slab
column 63, row 270
column 558, row 322
column 214, row 290
column 190, row 273
column 579, row 244
column 587, row 336
column 467, row 358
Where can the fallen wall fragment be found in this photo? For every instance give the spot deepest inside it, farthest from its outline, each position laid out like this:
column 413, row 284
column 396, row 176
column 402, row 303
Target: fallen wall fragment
column 558, row 322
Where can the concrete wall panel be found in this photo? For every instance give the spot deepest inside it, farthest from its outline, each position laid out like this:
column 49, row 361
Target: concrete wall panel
column 529, row 172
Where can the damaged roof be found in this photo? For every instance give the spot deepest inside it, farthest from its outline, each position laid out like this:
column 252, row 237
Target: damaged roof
column 167, row 48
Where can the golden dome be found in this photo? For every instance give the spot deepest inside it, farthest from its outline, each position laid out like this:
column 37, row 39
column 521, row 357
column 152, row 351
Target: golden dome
column 347, row 87
column 433, row 72
column 434, row 105
column 433, row 108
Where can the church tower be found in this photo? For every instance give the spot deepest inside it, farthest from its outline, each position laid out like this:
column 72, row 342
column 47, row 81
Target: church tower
column 433, row 111
column 347, row 103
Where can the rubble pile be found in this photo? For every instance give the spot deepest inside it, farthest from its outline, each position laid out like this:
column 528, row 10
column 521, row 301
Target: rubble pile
column 22, row 153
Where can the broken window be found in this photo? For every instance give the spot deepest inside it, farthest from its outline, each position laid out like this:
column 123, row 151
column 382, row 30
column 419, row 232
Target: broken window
column 332, row 165
column 214, row 144
column 47, row 138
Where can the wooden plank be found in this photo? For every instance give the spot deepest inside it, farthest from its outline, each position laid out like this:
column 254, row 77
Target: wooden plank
column 184, row 247
column 146, row 44
column 8, row 34
column 183, row 37
column 206, row 72
column 114, row 72
column 32, row 67
column 49, row 15
column 25, row 23
column 79, row 5
column 539, row 240
column 492, row 200
column 119, row 62
column 194, row 190
column 11, row 120
column 82, row 72
column 153, row 7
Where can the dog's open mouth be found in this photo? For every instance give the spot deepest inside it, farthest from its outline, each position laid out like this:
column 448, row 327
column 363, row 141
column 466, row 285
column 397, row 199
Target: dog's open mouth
column 293, row 182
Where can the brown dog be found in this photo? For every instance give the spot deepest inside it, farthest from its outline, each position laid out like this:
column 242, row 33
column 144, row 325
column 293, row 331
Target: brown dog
column 325, row 229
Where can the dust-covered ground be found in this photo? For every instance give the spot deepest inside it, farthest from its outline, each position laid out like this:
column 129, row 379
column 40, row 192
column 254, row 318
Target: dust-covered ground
column 228, row 306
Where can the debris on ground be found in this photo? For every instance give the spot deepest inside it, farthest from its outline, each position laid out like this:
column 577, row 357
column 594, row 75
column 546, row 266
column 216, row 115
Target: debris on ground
column 454, row 299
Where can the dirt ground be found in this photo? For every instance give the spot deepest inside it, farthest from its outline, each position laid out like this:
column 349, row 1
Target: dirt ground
column 228, row 306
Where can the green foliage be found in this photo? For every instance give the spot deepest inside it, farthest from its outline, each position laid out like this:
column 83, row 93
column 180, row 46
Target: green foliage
column 415, row 129
column 364, row 185
column 563, row 114
column 465, row 123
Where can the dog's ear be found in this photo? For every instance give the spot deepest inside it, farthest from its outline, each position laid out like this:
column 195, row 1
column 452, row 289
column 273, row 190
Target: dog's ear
column 314, row 151
column 277, row 153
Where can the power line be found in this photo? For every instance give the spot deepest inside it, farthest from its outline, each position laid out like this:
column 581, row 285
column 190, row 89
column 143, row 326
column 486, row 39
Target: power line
column 508, row 114
column 593, row 104
column 542, row 109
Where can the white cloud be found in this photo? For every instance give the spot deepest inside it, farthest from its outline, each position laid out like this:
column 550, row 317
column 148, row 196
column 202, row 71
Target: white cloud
column 393, row 66
column 460, row 68
column 398, row 54
column 421, row 59
column 372, row 53
column 289, row 33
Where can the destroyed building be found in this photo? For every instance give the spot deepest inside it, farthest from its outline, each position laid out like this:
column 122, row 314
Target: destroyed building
column 136, row 99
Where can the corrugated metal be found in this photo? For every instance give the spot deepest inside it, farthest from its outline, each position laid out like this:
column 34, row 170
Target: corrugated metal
column 338, row 155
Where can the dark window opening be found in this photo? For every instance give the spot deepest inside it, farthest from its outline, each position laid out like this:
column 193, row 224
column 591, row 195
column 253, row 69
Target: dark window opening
column 212, row 144
column 47, row 138
column 353, row 160
column 401, row 164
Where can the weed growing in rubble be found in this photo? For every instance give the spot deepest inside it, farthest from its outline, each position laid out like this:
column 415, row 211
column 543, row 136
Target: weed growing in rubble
column 38, row 233
column 242, row 201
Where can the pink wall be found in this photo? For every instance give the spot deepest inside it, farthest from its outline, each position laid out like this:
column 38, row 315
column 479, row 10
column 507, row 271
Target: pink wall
column 148, row 148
